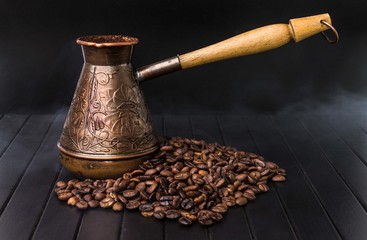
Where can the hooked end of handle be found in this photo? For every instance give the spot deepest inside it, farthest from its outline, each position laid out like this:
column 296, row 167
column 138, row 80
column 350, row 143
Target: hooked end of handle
column 302, row 28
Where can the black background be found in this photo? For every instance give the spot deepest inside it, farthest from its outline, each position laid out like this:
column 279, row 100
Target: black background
column 40, row 61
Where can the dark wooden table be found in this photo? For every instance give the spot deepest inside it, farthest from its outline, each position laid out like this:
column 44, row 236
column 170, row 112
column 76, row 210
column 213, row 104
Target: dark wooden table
column 324, row 197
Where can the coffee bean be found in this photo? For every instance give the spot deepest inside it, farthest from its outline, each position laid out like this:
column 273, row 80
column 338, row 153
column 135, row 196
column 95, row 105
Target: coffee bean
column 220, row 208
column 229, row 201
column 216, row 216
column 146, row 207
column 172, row 214
column 136, row 173
column 150, row 171
column 61, row 184
column 205, row 222
column 88, row 197
column 140, row 186
column 184, row 221
column 192, row 194
column 255, row 175
column 130, row 193
column 133, row 204
column 166, row 148
column 187, row 203
column 278, row 178
column 82, row 205
column 188, row 180
column 241, row 201
column 219, row 183
column 117, row 206
column 106, row 202
column 263, row 187
column 147, row 213
column 99, row 196
column 190, row 188
column 159, row 214
column 64, row 196
column 93, row 203
column 73, row 201
column 271, row 165
column 249, row 196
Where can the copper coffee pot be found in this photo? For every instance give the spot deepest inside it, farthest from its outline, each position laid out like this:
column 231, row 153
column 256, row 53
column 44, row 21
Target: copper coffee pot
column 108, row 130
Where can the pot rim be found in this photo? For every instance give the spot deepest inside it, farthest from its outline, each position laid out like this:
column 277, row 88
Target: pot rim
column 107, row 40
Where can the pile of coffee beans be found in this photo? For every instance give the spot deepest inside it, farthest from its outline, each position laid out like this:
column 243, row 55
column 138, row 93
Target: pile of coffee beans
column 188, row 180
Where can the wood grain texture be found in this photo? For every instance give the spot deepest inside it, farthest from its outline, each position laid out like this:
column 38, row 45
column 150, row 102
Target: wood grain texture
column 323, row 197
column 346, row 212
column 26, row 205
column 256, row 41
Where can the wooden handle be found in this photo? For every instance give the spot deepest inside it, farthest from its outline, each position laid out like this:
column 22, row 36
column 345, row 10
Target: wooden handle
column 256, row 41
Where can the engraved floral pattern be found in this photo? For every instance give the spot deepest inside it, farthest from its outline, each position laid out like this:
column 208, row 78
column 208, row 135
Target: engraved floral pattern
column 107, row 115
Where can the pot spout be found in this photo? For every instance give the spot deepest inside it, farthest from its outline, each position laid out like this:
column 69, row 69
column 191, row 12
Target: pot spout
column 255, row 41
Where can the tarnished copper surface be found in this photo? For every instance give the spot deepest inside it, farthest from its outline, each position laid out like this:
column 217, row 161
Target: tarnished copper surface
column 108, row 121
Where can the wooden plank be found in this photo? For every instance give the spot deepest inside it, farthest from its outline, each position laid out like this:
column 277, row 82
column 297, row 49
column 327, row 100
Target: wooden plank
column 353, row 132
column 309, row 219
column 100, row 224
column 19, row 154
column 266, row 206
column 180, row 126
column 10, row 125
column 58, row 220
column 22, row 213
column 134, row 226
column 237, row 224
column 353, row 171
column 345, row 211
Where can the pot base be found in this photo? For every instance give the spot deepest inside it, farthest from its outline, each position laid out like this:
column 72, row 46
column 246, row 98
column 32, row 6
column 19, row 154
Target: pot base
column 83, row 167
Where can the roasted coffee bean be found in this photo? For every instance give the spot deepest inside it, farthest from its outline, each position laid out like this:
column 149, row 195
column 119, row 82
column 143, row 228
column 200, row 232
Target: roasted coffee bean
column 144, row 195
column 219, row 183
column 146, row 207
column 192, row 194
column 73, row 201
column 140, row 186
column 172, row 214
column 187, row 203
column 64, row 196
column 241, row 201
column 159, row 214
column 130, row 193
column 220, row 208
column 150, row 171
column 137, row 172
column 61, row 184
column 184, row 221
column 249, row 196
column 182, row 176
column 88, row 197
column 133, row 204
column 93, row 203
column 263, row 187
column 255, row 175
column 147, row 214
column 187, row 179
column 117, row 206
column 278, row 178
column 216, row 216
column 106, row 202
column 99, row 196
column 82, row 204
column 166, row 148
column 191, row 188
column 229, row 201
